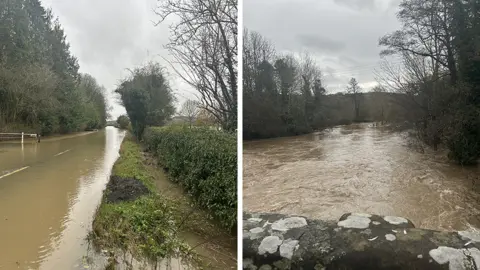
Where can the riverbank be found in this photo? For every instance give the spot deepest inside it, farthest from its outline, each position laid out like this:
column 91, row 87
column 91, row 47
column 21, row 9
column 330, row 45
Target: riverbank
column 145, row 215
column 340, row 123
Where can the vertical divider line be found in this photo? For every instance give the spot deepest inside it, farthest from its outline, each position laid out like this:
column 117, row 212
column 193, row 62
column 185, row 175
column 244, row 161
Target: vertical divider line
column 240, row 136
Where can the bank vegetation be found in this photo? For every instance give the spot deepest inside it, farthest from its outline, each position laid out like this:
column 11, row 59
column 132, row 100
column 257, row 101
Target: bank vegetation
column 438, row 43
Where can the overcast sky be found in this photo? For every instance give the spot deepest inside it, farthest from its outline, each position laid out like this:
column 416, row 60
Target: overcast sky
column 341, row 34
column 109, row 36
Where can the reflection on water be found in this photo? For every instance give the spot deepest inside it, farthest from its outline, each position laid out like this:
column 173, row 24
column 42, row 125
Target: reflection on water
column 46, row 210
column 359, row 168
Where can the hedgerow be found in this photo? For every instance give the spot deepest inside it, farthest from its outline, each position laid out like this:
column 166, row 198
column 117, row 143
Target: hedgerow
column 204, row 162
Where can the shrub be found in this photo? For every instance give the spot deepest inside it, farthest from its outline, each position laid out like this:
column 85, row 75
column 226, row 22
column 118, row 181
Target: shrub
column 204, row 162
column 344, row 122
column 123, row 121
column 463, row 136
column 147, row 97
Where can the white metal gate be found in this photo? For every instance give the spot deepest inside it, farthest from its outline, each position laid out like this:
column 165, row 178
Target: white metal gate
column 19, row 135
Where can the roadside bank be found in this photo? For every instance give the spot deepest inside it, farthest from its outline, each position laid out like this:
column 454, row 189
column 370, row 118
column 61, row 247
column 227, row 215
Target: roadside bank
column 146, row 219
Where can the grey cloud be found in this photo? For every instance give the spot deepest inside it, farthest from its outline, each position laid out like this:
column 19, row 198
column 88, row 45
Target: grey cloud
column 348, row 61
column 320, row 43
column 357, row 4
column 343, row 39
column 329, row 70
column 110, row 36
column 335, row 80
column 393, row 5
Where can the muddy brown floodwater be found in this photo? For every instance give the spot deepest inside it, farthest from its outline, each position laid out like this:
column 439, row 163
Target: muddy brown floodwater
column 49, row 192
column 359, row 168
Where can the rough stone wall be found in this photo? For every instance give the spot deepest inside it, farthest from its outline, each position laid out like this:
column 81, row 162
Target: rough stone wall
column 356, row 241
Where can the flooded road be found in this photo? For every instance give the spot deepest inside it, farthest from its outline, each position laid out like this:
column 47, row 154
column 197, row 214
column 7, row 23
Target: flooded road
column 48, row 195
column 359, row 168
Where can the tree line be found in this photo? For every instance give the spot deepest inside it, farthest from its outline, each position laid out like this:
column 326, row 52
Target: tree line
column 41, row 89
column 440, row 76
column 281, row 93
column 284, row 95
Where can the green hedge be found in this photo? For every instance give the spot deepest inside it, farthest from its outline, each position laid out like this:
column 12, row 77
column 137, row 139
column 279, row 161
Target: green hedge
column 204, row 162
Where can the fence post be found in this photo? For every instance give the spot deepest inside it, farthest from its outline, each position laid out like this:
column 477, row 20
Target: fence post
column 22, row 137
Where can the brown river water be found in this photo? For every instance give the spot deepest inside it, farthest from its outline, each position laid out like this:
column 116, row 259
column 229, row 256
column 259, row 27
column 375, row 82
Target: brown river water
column 360, row 168
column 47, row 207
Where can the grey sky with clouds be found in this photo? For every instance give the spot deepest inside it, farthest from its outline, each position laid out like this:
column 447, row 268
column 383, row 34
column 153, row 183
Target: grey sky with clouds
column 109, row 36
column 341, row 34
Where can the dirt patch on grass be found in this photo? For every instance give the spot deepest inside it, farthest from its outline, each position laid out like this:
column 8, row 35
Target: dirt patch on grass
column 121, row 189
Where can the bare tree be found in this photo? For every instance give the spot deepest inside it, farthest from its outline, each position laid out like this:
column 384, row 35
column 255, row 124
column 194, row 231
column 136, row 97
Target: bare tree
column 256, row 49
column 401, row 78
column 381, row 94
column 425, row 93
column 206, row 118
column 354, row 90
column 427, row 32
column 190, row 109
column 204, row 45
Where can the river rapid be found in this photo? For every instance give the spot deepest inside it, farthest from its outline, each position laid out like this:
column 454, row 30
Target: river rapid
column 360, row 168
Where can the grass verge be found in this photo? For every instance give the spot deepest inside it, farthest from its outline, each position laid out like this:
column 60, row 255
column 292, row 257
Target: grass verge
column 146, row 227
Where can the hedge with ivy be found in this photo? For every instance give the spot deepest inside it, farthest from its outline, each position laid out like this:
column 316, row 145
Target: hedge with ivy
column 204, row 162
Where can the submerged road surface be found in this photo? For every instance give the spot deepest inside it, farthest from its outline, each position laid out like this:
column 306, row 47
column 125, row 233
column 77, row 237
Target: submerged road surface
column 48, row 195
column 360, row 168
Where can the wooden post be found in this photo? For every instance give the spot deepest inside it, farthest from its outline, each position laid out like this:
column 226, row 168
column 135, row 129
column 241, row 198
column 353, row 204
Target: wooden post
column 22, row 138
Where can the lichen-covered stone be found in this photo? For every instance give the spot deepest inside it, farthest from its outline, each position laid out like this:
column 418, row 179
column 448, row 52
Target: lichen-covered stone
column 457, row 259
column 390, row 237
column 472, row 236
column 355, row 221
column 395, row 220
column 269, row 244
column 289, row 223
column 361, row 241
column 288, row 247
